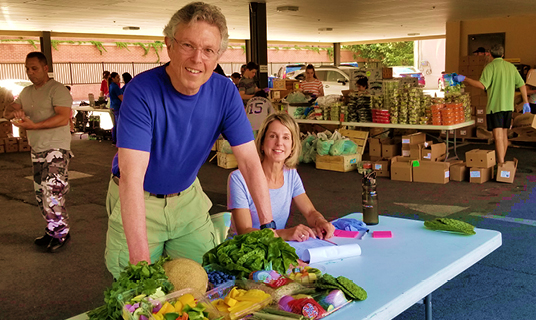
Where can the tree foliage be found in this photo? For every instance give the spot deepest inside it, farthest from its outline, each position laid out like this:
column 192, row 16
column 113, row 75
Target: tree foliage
column 390, row 53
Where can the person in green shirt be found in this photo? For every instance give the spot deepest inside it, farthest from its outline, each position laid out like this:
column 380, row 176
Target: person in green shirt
column 500, row 79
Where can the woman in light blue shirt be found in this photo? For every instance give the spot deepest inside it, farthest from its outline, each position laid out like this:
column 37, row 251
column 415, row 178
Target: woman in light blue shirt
column 278, row 146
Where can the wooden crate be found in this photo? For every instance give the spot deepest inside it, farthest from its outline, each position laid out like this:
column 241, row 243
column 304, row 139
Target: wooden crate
column 227, row 161
column 358, row 137
column 338, row 163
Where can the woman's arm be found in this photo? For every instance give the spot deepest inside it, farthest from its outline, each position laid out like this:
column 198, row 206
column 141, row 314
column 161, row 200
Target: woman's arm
column 323, row 228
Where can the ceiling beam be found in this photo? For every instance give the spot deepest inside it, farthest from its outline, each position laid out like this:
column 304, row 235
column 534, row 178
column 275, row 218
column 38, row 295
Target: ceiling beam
column 439, row 36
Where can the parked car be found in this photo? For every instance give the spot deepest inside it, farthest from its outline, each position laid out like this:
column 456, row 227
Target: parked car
column 284, row 70
column 334, row 79
column 401, row 72
column 14, row 85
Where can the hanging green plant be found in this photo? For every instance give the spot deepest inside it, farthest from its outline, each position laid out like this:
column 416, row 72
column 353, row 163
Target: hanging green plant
column 30, row 41
column 157, row 45
column 122, row 45
column 99, row 46
column 145, row 49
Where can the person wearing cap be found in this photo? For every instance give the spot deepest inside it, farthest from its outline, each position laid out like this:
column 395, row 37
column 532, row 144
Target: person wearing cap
column 500, row 79
column 479, row 52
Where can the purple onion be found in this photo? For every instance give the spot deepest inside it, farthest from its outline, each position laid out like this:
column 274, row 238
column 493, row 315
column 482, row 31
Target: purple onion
column 142, row 317
column 130, row 308
column 283, row 303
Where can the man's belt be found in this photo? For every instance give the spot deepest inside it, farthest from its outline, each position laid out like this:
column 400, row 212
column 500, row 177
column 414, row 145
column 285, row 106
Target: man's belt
column 159, row 196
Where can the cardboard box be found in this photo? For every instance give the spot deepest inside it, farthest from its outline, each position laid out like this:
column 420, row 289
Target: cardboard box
column 343, row 163
column 285, row 84
column 459, row 172
column 464, row 61
column 415, row 138
column 279, row 84
column 506, row 172
column 431, row 172
column 23, row 145
column 401, row 169
column 480, row 121
column 463, row 69
column 531, row 78
column 375, row 147
column 382, row 167
column 434, row 152
column 391, row 150
column 478, row 60
column 480, row 175
column 525, row 120
column 466, row 132
column 480, row 158
column 11, row 145
column 358, row 137
column 227, row 161
column 483, row 102
column 479, row 111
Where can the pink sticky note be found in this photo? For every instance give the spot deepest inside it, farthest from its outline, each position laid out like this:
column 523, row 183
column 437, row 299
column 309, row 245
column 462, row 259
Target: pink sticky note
column 382, row 234
column 345, row 233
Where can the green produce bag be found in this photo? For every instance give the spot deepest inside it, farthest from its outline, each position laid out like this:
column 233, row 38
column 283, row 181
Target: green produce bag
column 337, row 148
column 349, row 147
column 323, row 147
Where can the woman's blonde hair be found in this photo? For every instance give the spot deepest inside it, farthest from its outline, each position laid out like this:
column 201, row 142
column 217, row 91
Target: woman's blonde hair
column 286, row 120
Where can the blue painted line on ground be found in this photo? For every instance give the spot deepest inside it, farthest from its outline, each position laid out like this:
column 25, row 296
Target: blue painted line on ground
column 507, row 219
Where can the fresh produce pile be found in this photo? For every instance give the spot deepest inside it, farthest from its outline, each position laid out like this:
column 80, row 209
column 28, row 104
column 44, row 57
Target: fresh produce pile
column 141, row 278
column 305, row 275
column 184, row 307
column 359, row 108
column 351, row 290
column 448, row 224
column 239, row 300
column 217, row 277
column 258, row 250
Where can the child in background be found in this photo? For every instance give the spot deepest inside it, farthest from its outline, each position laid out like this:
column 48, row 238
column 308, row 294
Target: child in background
column 362, row 85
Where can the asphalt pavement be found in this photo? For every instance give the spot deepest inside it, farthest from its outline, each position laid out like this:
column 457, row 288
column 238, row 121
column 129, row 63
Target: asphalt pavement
column 38, row 285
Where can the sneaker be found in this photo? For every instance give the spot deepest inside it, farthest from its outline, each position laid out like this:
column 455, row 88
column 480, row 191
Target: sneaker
column 56, row 244
column 43, row 241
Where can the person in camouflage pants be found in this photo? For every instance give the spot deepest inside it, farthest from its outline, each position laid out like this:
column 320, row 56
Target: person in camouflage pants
column 51, row 184
column 43, row 109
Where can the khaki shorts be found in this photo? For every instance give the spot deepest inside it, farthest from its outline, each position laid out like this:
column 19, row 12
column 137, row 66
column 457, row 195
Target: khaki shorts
column 179, row 226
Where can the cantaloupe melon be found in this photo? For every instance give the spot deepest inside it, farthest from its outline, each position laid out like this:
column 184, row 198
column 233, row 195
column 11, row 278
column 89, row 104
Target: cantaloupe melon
column 186, row 273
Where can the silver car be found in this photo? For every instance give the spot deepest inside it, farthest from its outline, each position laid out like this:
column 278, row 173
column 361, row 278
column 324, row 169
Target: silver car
column 333, row 78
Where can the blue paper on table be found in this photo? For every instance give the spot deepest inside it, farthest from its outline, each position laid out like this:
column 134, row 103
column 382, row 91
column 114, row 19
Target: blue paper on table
column 349, row 224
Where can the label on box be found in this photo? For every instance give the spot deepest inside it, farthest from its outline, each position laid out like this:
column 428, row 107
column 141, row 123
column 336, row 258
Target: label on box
column 447, row 174
column 405, row 153
column 427, row 156
column 505, row 174
column 352, row 161
column 377, row 167
column 426, row 144
column 480, row 120
column 463, row 132
column 475, row 174
column 415, row 163
column 479, row 111
column 406, row 140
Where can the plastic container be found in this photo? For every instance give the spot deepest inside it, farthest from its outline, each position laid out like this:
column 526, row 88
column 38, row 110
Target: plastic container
column 171, row 298
column 222, row 291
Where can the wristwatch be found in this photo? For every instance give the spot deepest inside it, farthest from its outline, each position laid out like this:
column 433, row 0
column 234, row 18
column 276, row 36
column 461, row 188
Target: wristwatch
column 269, row 225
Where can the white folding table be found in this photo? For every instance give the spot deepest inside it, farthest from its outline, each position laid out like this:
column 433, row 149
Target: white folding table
column 400, row 271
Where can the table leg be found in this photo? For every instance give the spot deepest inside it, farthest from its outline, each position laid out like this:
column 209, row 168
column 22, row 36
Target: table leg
column 455, row 153
column 447, row 143
column 428, row 307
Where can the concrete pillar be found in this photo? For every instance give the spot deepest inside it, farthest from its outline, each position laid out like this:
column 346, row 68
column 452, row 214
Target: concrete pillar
column 46, row 49
column 259, row 40
column 337, row 54
column 452, row 46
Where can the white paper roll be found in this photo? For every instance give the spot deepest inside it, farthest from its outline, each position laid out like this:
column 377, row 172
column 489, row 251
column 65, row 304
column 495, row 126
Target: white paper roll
column 321, row 254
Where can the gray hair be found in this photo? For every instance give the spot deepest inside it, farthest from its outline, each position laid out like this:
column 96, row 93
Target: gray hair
column 199, row 11
column 497, row 51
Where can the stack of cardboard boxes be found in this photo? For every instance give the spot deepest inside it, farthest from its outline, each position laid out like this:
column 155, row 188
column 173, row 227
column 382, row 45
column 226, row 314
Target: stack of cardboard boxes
column 480, row 163
column 381, row 151
column 472, row 67
column 282, row 87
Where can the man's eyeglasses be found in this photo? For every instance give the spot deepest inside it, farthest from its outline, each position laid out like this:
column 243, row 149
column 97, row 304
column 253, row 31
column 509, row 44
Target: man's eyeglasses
column 187, row 48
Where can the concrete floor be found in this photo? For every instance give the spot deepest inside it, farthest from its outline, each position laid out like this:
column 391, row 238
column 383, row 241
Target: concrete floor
column 37, row 285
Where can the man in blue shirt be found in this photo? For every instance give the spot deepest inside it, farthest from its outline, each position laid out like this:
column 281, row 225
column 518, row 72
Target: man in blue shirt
column 170, row 118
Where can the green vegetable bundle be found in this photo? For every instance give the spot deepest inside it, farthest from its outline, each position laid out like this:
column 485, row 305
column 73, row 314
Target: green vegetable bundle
column 143, row 277
column 448, row 224
column 351, row 290
column 258, row 250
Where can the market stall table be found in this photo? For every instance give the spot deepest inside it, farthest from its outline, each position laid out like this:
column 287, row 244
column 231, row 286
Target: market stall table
column 446, row 128
column 106, row 122
column 400, row 271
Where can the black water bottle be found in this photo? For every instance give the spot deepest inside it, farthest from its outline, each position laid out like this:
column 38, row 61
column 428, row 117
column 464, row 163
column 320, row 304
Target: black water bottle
column 370, row 199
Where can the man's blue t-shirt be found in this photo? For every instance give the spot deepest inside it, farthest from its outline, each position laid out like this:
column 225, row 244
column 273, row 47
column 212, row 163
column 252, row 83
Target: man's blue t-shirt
column 115, row 92
column 178, row 130
column 238, row 197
